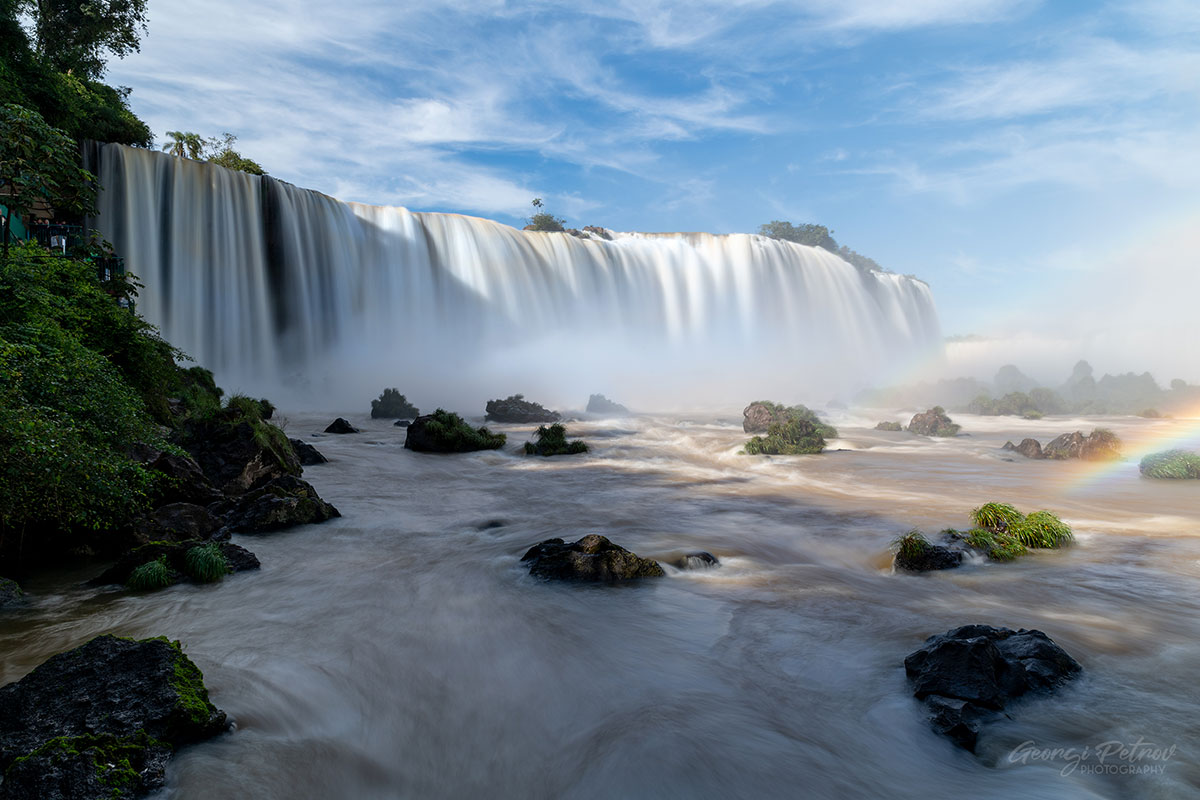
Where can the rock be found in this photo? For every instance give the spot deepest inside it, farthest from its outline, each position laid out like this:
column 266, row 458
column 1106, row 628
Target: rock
column 599, row 404
column 402, row 423
column 341, row 425
column 928, row 558
column 283, row 503
column 1030, row 448
column 516, row 408
column 760, row 415
column 889, row 426
column 239, row 456
column 306, row 453
column 698, row 560
column 933, row 422
column 598, row 231
column 970, row 672
column 393, row 405
column 102, row 720
column 10, row 593
column 1099, row 445
column 239, row 558
column 444, row 432
column 592, row 558
column 578, row 234
column 176, row 522
column 185, row 480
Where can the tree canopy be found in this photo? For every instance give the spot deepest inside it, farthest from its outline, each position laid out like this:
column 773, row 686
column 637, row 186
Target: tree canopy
column 74, row 36
column 217, row 150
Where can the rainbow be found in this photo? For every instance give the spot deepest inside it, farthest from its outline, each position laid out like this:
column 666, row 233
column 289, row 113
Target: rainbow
column 1181, row 432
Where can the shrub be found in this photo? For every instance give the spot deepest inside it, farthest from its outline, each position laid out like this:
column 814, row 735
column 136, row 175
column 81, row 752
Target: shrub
column 911, row 545
column 552, row 441
column 393, row 405
column 1041, row 529
column 1171, row 464
column 996, row 517
column 797, row 436
column 206, row 562
column 446, row 432
column 150, row 576
column 889, row 426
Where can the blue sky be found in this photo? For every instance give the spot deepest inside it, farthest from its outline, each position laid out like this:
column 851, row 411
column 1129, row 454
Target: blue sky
column 1003, row 150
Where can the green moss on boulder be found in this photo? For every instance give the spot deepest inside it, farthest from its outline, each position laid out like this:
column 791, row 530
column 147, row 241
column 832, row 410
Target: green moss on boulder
column 445, row 432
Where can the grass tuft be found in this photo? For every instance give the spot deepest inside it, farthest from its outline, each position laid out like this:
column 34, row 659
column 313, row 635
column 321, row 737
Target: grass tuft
column 1042, row 529
column 150, row 576
column 552, row 441
column 206, row 563
column 996, row 517
column 911, row 545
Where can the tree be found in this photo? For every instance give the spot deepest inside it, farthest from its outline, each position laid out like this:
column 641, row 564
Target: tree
column 543, row 220
column 39, row 163
column 74, row 35
column 185, row 143
column 221, row 153
column 805, row 233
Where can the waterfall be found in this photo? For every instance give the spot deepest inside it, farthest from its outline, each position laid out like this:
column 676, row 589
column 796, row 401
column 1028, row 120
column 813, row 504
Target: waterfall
column 271, row 286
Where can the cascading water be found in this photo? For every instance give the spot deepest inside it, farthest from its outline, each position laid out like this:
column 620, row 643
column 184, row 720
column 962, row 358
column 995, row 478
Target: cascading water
column 265, row 283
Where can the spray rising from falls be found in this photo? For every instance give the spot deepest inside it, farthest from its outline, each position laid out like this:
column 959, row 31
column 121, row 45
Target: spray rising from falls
column 269, row 284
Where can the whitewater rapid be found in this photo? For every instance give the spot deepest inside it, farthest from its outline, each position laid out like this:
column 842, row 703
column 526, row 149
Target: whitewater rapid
column 265, row 282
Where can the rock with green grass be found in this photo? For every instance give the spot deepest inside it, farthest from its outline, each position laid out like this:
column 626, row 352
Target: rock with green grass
column 1099, row 445
column 553, row 441
column 1171, row 465
column 101, row 721
column 237, row 449
column 795, row 436
column 933, row 422
column 282, row 503
column 889, row 426
column 516, row 408
column 160, row 564
column 393, row 405
column 445, row 432
column 593, row 558
column 915, row 553
column 759, row 416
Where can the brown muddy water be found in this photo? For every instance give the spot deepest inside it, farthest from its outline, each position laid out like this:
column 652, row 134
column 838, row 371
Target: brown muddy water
column 402, row 651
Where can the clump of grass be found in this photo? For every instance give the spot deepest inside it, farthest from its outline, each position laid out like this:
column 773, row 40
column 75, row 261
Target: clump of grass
column 797, row 436
column 552, row 441
column 448, row 433
column 911, row 545
column 1042, row 529
column 206, row 563
column 981, row 538
column 1171, row 464
column 1006, row 548
column 996, row 517
column 150, row 576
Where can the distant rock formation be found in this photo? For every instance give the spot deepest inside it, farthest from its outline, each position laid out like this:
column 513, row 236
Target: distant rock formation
column 599, row 404
column 933, row 422
column 516, row 408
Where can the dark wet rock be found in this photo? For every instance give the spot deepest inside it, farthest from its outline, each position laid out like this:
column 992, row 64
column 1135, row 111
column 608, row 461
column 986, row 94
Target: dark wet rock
column 445, row 432
column 928, row 558
column 184, row 481
column 402, row 423
column 102, row 720
column 341, row 425
column 596, row 230
column 698, row 560
column 578, row 234
column 10, row 593
column 239, row 456
column 176, row 522
column 889, row 426
column 1099, row 445
column 592, row 558
column 283, row 503
column 1030, row 448
column 175, row 555
column 491, row 524
column 599, row 404
column 306, row 453
column 933, row 422
column 969, row 673
column 516, row 408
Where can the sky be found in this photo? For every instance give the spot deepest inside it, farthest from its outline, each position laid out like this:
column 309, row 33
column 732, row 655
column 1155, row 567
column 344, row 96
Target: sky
column 1017, row 155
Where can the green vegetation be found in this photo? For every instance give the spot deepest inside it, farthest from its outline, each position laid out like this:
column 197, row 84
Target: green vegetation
column 544, row 220
column 217, row 150
column 206, row 563
column 911, row 546
column 552, row 441
column 150, row 576
column 1004, row 533
column 817, row 236
column 1171, row 464
column 780, row 413
column 1042, row 529
column 117, row 760
column 889, row 426
column 797, row 436
column 393, row 405
column 1034, row 405
column 188, row 683
column 996, row 516
column 452, row 434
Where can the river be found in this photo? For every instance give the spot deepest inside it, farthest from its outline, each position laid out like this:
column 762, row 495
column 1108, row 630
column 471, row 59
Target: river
column 403, row 651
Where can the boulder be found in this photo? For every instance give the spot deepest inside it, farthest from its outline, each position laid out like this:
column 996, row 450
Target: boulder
column 1099, row 445
column 760, row 415
column 102, row 720
column 176, row 522
column 239, row 456
column 1030, row 448
column 516, row 408
column 592, row 558
column 175, row 553
column 341, row 425
column 968, row 674
column 10, row 593
column 444, row 432
column 933, row 422
column 184, row 482
column 402, row 423
column 283, row 503
column 928, row 558
column 393, row 405
column 889, row 426
column 596, row 230
column 306, row 453
column 698, row 560
column 599, row 404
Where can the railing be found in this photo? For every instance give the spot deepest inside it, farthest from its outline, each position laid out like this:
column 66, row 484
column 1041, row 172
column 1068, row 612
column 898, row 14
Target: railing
column 64, row 238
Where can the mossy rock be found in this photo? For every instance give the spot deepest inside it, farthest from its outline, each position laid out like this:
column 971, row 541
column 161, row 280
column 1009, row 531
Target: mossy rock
column 445, row 432
column 592, row 558
column 10, row 593
column 516, row 408
column 393, row 405
column 552, row 441
column 889, row 426
column 933, row 422
column 796, row 436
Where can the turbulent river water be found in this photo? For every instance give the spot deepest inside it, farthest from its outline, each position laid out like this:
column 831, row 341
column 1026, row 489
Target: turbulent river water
column 402, row 650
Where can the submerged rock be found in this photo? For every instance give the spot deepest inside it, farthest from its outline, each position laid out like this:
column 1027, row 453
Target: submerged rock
column 341, row 425
column 517, row 409
column 592, row 558
column 10, row 593
column 283, row 503
column 969, row 673
column 1100, row 445
column 306, row 453
column 599, row 404
column 698, row 560
column 933, row 422
column 102, row 720
column 1030, row 448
